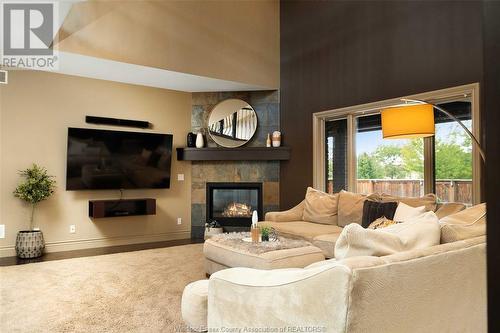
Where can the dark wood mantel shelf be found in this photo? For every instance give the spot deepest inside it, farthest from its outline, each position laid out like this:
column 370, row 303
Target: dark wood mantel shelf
column 234, row 154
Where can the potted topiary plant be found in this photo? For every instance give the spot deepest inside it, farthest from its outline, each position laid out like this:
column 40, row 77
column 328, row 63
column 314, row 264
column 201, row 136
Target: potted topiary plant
column 264, row 233
column 36, row 186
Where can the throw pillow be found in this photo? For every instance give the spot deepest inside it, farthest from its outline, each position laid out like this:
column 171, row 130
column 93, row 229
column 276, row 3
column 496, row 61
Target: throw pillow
column 373, row 210
column 350, row 208
column 466, row 224
column 417, row 233
column 405, row 212
column 428, row 200
column 381, row 222
column 320, row 207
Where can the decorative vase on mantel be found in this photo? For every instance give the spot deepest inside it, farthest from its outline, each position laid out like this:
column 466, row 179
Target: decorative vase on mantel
column 191, row 140
column 200, row 142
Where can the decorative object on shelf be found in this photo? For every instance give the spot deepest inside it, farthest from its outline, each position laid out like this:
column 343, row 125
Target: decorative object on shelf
column 255, row 230
column 37, row 186
column 232, row 123
column 276, row 139
column 191, row 140
column 264, row 232
column 268, row 141
column 200, row 142
column 212, row 228
column 416, row 120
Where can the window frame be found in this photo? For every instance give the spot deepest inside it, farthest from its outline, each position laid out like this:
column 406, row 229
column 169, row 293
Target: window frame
column 351, row 112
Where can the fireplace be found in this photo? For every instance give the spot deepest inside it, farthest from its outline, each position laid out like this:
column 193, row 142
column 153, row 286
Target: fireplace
column 232, row 204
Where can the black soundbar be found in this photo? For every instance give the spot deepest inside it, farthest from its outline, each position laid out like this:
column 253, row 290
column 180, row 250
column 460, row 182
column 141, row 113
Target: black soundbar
column 117, row 122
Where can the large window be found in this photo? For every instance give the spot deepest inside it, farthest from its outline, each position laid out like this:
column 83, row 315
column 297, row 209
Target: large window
column 387, row 166
column 453, row 154
column 357, row 158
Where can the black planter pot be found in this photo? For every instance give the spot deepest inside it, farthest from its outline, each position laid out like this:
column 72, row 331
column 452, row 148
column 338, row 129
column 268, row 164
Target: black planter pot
column 29, row 244
column 265, row 238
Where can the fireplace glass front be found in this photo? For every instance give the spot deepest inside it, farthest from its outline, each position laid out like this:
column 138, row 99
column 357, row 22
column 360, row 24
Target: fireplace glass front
column 232, row 204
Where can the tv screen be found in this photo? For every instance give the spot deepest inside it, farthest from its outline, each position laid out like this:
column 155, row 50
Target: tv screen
column 102, row 159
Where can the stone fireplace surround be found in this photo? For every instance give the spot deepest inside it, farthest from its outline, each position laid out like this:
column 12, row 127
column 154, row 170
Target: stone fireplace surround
column 266, row 105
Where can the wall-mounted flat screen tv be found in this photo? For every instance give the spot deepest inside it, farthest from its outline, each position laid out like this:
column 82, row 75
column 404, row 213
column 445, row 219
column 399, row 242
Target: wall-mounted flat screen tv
column 102, row 159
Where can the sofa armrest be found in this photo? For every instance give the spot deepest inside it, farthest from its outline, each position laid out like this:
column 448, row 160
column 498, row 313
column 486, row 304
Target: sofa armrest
column 293, row 214
column 449, row 208
column 266, row 301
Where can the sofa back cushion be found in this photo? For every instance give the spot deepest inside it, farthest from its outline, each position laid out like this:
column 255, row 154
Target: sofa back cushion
column 350, row 208
column 466, row 224
column 428, row 200
column 320, row 207
column 416, row 233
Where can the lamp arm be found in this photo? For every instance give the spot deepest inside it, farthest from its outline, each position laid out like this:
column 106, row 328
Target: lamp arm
column 478, row 145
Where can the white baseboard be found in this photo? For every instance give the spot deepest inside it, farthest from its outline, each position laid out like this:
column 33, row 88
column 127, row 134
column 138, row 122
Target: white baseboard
column 80, row 244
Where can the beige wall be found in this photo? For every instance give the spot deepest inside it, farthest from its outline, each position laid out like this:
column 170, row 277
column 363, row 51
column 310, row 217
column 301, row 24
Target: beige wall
column 36, row 109
column 231, row 40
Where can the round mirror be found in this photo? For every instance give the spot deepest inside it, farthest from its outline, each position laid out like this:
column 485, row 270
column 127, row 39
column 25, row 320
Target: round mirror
column 232, row 123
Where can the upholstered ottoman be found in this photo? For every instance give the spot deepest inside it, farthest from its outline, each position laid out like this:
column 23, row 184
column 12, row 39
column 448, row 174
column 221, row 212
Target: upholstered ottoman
column 221, row 253
column 194, row 305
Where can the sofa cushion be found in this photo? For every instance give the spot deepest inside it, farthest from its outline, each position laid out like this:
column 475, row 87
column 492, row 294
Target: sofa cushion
column 326, row 243
column 419, row 232
column 428, row 200
column 320, row 207
column 301, row 229
column 405, row 212
column 350, row 208
column 373, row 210
column 466, row 224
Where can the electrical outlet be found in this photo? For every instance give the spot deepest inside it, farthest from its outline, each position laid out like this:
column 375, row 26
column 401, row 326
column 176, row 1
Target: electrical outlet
column 179, row 220
column 72, row 229
column 180, row 177
column 2, row 230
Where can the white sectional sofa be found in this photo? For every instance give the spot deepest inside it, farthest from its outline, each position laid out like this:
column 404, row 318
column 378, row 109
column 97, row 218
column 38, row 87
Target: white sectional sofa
column 440, row 288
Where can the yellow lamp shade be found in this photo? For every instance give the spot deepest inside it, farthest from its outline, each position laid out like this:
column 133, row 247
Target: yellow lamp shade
column 405, row 122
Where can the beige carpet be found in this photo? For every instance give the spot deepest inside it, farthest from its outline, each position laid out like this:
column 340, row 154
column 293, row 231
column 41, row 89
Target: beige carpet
column 125, row 292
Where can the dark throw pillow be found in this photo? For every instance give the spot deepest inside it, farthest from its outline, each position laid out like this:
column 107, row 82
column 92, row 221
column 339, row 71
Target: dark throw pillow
column 373, row 210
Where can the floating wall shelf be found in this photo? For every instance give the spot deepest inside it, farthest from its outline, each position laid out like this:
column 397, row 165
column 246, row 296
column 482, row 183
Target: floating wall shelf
column 124, row 207
column 234, row 154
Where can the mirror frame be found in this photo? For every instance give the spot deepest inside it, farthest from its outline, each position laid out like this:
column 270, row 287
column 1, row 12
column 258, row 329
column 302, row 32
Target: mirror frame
column 218, row 105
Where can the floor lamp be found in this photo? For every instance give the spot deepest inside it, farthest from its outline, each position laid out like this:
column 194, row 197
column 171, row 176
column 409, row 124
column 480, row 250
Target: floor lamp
column 416, row 120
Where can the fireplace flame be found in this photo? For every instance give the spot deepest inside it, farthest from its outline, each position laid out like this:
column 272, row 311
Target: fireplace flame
column 236, row 209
